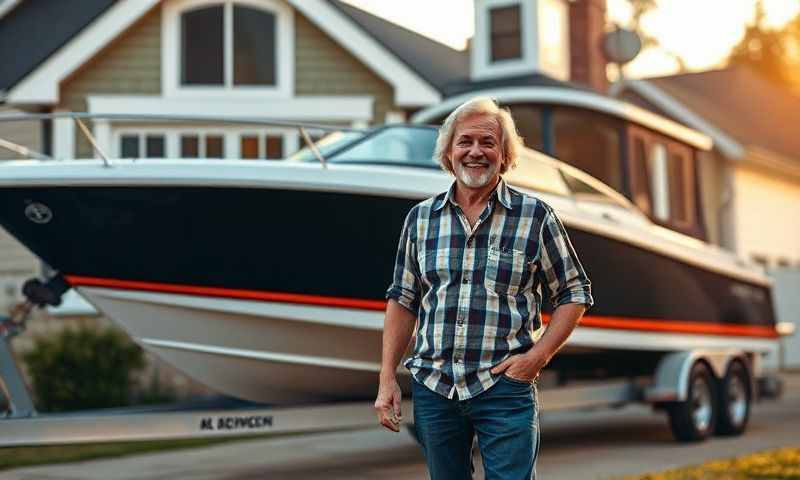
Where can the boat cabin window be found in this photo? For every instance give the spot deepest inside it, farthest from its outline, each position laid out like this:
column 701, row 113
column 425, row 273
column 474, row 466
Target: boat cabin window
column 589, row 141
column 662, row 180
column 528, row 119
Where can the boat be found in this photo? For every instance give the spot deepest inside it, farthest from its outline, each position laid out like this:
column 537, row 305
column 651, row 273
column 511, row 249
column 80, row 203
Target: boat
column 265, row 280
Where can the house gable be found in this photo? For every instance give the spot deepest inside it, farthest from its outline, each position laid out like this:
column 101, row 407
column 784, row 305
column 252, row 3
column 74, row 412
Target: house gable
column 41, row 85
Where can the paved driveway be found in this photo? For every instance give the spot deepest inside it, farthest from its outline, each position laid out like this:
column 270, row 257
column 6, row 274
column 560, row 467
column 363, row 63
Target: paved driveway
column 575, row 445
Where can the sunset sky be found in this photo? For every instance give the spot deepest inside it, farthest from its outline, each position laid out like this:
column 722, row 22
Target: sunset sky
column 700, row 31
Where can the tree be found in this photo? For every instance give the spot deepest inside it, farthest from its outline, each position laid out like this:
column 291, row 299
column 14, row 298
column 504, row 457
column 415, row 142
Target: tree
column 639, row 9
column 773, row 52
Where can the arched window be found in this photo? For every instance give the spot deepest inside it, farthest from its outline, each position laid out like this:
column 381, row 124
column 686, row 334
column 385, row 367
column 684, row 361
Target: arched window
column 228, row 47
column 228, row 44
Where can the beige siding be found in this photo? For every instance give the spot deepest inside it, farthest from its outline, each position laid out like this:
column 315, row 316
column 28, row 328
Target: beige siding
column 130, row 65
column 27, row 134
column 323, row 67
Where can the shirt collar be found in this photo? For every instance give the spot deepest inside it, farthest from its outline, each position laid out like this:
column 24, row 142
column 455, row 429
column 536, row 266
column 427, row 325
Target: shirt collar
column 502, row 193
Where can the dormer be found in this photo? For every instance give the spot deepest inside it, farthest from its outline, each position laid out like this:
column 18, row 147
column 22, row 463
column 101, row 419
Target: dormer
column 520, row 37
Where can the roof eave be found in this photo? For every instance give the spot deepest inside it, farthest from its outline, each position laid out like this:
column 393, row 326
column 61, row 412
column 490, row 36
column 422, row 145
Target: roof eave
column 726, row 144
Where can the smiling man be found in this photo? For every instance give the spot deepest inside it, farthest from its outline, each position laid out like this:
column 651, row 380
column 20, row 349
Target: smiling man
column 472, row 264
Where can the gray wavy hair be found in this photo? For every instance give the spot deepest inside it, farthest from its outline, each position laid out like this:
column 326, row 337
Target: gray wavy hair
column 510, row 141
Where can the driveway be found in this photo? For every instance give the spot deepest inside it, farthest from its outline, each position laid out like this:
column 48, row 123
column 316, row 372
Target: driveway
column 582, row 445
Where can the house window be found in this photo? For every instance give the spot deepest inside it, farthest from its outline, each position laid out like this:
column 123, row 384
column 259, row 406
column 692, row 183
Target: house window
column 211, row 145
column 202, row 47
column 228, row 44
column 248, row 148
column 267, row 146
column 662, row 182
column 506, row 33
column 141, row 145
column 129, row 146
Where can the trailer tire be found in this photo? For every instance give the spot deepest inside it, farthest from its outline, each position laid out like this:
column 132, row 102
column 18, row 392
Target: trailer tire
column 735, row 398
column 694, row 419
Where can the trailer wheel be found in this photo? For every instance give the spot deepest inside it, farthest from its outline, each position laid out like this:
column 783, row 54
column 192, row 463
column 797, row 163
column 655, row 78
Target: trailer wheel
column 736, row 393
column 695, row 418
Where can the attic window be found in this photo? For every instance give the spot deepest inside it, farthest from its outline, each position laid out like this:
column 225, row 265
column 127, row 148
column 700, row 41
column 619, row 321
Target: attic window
column 506, row 33
column 226, row 45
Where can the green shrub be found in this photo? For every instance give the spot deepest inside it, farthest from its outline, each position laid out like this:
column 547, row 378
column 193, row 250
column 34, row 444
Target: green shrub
column 83, row 368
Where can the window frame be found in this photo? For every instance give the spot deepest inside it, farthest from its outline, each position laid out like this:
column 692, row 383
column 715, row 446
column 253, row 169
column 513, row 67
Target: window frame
column 231, row 140
column 691, row 225
column 493, row 36
column 171, row 54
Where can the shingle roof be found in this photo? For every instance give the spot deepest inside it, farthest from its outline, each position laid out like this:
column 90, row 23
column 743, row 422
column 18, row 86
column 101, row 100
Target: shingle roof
column 527, row 80
column 746, row 105
column 35, row 29
column 435, row 62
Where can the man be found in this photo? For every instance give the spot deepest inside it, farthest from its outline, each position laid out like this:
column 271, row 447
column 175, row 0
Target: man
column 468, row 281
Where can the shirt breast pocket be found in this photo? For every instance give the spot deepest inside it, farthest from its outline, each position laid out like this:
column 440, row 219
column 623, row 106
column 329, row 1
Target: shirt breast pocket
column 508, row 272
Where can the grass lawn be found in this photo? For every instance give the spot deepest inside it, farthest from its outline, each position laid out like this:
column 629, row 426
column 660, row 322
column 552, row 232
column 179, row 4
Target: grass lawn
column 782, row 464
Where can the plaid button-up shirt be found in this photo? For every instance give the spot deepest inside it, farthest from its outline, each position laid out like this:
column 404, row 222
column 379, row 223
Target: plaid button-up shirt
column 477, row 290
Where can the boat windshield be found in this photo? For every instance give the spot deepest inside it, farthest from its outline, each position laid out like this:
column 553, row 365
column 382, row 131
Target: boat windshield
column 393, row 145
column 326, row 145
column 413, row 146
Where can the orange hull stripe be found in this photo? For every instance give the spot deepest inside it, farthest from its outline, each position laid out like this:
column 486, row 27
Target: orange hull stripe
column 229, row 293
column 617, row 323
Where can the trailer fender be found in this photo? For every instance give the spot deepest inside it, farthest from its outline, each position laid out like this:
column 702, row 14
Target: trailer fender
column 671, row 380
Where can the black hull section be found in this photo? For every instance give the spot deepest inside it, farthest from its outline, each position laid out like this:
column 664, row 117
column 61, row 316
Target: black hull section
column 323, row 244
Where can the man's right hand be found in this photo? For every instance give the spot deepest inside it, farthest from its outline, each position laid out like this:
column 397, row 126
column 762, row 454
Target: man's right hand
column 387, row 405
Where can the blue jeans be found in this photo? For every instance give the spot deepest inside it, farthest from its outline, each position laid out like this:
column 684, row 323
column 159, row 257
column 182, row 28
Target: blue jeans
column 504, row 417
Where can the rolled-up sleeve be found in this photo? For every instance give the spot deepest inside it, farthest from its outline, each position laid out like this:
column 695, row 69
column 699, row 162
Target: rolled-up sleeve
column 405, row 288
column 562, row 271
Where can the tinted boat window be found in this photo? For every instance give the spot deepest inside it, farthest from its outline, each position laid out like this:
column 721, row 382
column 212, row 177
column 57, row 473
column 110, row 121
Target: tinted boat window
column 329, row 143
column 393, row 145
column 589, row 141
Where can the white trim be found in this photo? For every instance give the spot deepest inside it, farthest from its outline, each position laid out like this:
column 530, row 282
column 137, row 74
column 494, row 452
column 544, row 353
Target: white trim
column 395, row 116
column 650, row 92
column 592, row 337
column 7, row 5
column 400, row 182
column 410, row 89
column 101, row 130
column 42, row 85
column 320, row 109
column 575, row 98
column 291, row 358
column 171, row 54
column 532, row 45
column 63, row 138
column 231, row 134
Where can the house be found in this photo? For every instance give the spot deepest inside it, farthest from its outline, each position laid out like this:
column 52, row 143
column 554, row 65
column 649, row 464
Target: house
column 314, row 61
column 751, row 178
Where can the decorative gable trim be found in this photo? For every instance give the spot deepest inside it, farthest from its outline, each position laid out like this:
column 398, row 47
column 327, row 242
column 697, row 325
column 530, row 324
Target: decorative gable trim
column 41, row 86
